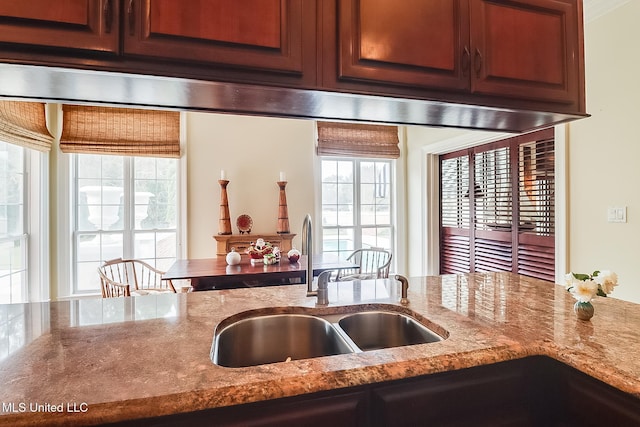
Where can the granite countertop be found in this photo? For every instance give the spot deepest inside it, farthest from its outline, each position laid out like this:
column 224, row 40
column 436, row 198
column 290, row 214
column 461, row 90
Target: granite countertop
column 109, row 360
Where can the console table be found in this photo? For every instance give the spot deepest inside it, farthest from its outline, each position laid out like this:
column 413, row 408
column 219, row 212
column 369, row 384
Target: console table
column 242, row 241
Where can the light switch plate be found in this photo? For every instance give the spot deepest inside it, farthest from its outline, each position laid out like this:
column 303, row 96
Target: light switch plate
column 617, row 214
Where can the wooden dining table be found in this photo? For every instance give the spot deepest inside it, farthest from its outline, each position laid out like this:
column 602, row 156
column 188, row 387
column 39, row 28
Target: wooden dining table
column 215, row 273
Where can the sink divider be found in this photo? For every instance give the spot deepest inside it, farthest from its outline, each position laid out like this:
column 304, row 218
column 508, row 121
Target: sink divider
column 333, row 319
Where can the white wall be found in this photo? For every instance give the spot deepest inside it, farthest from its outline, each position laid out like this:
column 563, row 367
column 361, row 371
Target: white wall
column 604, row 153
column 252, row 151
column 420, row 212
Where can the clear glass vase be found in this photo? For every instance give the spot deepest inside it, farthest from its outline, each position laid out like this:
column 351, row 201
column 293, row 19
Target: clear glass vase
column 583, row 310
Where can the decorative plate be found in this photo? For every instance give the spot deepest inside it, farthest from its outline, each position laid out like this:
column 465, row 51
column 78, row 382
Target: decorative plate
column 244, row 223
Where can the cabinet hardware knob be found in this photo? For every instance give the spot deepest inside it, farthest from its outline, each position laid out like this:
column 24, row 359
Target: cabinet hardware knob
column 466, row 61
column 478, row 62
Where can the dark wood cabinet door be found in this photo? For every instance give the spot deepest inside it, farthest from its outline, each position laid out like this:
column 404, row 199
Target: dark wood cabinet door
column 70, row 24
column 269, row 35
column 527, row 50
column 481, row 396
column 410, row 42
column 333, row 408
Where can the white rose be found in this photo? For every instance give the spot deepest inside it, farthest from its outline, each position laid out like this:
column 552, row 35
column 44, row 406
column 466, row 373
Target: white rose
column 607, row 280
column 584, row 291
column 569, row 280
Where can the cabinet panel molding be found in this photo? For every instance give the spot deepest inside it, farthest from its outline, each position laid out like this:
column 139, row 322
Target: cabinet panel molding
column 90, row 25
column 260, row 34
column 414, row 43
column 526, row 49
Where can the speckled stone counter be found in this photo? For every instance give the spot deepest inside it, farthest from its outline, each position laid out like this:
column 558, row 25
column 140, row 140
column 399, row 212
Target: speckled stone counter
column 108, row 360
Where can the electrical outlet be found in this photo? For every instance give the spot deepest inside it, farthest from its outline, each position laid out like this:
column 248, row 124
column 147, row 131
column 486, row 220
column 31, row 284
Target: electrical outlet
column 617, row 214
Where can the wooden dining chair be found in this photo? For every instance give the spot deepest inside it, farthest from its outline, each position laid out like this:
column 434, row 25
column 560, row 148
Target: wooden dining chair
column 111, row 288
column 373, row 263
column 141, row 278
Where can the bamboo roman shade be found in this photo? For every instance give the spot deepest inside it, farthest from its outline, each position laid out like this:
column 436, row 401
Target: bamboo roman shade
column 120, row 131
column 24, row 123
column 357, row 140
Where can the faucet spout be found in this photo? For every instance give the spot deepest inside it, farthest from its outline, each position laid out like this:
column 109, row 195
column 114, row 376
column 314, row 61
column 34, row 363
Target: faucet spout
column 307, row 249
column 404, row 300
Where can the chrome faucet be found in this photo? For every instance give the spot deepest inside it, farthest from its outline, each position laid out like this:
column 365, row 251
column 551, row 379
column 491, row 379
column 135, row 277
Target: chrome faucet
column 405, row 287
column 323, row 288
column 307, row 249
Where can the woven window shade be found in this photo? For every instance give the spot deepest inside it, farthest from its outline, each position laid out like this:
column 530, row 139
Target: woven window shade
column 120, row 131
column 357, row 140
column 24, row 124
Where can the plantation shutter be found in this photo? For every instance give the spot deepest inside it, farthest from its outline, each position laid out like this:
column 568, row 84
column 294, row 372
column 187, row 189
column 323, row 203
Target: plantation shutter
column 536, row 241
column 120, row 131
column 357, row 140
column 24, row 124
column 493, row 203
column 455, row 215
column 497, row 207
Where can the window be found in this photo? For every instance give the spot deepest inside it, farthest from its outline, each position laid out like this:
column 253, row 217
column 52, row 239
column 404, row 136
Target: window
column 497, row 207
column 357, row 209
column 13, row 224
column 125, row 207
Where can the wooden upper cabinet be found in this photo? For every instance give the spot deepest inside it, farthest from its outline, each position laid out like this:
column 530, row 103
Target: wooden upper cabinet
column 487, row 64
column 70, row 24
column 259, row 34
column 526, row 49
column 507, row 53
column 409, row 42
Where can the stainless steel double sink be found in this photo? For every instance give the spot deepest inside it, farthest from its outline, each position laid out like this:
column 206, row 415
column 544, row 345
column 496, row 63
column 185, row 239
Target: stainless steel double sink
column 270, row 337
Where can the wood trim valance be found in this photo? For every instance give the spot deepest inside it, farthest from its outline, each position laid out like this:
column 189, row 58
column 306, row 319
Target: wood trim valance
column 25, row 124
column 357, row 140
column 120, row 131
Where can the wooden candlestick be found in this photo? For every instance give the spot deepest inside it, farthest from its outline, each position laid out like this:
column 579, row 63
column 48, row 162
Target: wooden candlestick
column 283, row 214
column 224, row 223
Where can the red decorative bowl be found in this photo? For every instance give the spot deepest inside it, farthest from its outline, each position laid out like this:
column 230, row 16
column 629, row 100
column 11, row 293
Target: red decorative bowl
column 294, row 258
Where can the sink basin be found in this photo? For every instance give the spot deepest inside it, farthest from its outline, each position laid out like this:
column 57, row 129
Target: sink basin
column 298, row 333
column 276, row 338
column 371, row 330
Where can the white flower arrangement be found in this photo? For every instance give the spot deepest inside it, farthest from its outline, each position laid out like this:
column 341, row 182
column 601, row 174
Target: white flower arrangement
column 584, row 287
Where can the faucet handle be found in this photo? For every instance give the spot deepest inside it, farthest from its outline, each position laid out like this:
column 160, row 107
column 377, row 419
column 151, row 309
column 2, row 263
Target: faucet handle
column 405, row 287
column 323, row 279
column 323, row 287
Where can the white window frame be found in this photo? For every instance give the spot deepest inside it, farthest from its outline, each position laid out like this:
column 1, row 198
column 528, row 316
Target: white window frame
column 38, row 221
column 35, row 235
column 128, row 231
column 65, row 211
column 357, row 227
